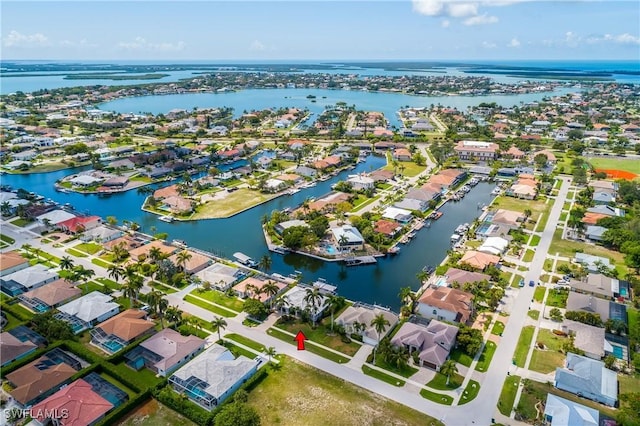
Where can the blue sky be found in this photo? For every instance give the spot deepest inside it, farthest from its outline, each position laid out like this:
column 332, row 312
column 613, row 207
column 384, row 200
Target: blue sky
column 301, row 29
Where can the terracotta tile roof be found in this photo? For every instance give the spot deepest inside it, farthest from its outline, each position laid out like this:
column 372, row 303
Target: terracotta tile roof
column 10, row 260
column 83, row 406
column 54, row 293
column 11, row 347
column 37, row 378
column 479, row 260
column 449, row 299
column 386, row 227
column 593, row 218
column 168, row 191
column 242, row 287
column 164, row 248
column 127, row 325
column 78, row 223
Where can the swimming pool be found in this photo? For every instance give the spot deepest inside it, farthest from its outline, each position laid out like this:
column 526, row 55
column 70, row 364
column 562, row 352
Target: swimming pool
column 331, row 249
column 441, row 282
column 618, row 351
column 483, row 228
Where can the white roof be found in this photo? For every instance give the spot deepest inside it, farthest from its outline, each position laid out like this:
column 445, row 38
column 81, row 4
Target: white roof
column 494, row 245
column 273, row 183
column 349, row 232
column 568, row 413
column 6, row 196
column 84, row 180
column 31, row 276
column 56, row 216
column 295, row 298
column 365, row 180
column 394, row 212
column 89, row 307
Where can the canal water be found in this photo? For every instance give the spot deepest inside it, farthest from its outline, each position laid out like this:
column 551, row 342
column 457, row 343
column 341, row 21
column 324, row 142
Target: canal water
column 378, row 283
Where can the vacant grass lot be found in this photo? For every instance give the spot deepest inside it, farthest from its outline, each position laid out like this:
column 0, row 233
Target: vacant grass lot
column 295, row 394
column 209, row 307
column 569, row 248
column 219, row 298
column 546, row 360
column 89, row 248
column 233, row 203
column 309, row 346
column 537, row 207
column 508, row 394
column 627, row 164
column 321, row 334
column 520, row 355
column 153, row 413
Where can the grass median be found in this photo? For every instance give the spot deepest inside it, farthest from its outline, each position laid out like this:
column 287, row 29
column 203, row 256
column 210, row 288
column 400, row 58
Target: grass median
column 382, row 376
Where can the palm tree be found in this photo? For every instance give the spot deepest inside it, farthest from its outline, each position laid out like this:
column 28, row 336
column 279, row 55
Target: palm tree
column 116, row 272
column 27, row 248
column 5, row 208
column 405, row 294
column 265, row 262
column 119, row 252
column 155, row 254
column 174, row 315
column 84, row 274
column 380, row 323
column 36, row 251
column 182, row 258
column 334, row 302
column 448, row 368
column 153, row 300
column 313, row 298
column 270, row 352
column 163, row 305
column 342, row 241
column 66, row 263
column 219, row 323
column 359, row 327
column 131, row 287
column 270, row 289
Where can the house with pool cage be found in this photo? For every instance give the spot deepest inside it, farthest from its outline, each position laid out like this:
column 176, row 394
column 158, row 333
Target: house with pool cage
column 87, row 311
column 117, row 332
column 213, row 376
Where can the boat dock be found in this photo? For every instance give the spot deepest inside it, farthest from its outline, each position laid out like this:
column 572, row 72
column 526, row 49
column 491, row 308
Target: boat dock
column 360, row 260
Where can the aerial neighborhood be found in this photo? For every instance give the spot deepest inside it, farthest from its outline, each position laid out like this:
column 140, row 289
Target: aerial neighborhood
column 438, row 262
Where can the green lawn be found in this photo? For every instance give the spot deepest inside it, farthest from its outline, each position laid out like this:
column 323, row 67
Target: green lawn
column 7, row 239
column 436, row 397
column 535, row 240
column 557, row 298
column 568, row 248
column 439, row 382
column 219, row 298
column 89, row 248
column 618, row 163
column 110, row 284
column 75, row 252
column 321, row 335
column 275, row 332
column 528, row 256
column 534, row 313
column 508, row 395
column 498, row 328
column 143, row 379
column 460, row 357
column 296, row 394
column 20, row 222
column 164, row 288
column 546, row 361
column 209, row 307
column 524, row 342
column 233, row 203
column 90, row 287
column 516, row 281
column 245, row 341
column 518, row 205
column 101, row 263
column 470, row 392
column 538, row 295
column 237, row 350
column 486, row 356
column 382, row 376
column 405, row 168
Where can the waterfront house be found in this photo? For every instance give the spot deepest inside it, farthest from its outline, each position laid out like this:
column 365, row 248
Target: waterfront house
column 363, row 314
column 397, row 214
column 445, row 303
column 177, row 205
column 83, row 402
column 295, row 303
column 479, row 260
column 381, row 175
column 588, row 378
column 509, row 218
column 221, row 276
column 347, row 237
column 12, row 348
column 494, row 245
column 42, row 377
column 164, row 352
column 79, row 224
column 562, row 412
column 412, row 204
column 27, row 279
column 401, row 154
column 387, row 227
column 117, row 332
column 49, row 296
column 101, row 234
column 54, row 217
column 252, row 287
column 280, row 227
column 587, row 338
column 126, row 242
column 11, row 262
column 423, row 195
column 212, row 376
column 360, row 182
column 88, row 310
column 305, row 171
column 432, row 342
column 165, row 249
column 460, row 276
column 196, row 263
column 477, row 150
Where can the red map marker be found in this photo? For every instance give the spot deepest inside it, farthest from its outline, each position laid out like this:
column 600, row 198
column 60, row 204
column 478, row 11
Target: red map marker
column 300, row 338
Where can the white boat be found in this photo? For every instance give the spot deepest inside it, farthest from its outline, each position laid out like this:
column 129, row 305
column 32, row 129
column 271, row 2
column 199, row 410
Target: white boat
column 167, row 219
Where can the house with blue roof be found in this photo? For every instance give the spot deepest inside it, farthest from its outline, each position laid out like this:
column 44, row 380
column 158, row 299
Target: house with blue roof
column 588, row 378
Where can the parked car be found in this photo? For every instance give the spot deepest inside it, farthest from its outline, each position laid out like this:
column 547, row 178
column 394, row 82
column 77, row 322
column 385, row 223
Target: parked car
column 532, row 283
column 521, row 283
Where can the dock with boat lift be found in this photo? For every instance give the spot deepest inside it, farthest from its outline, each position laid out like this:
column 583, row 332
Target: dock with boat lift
column 360, row 260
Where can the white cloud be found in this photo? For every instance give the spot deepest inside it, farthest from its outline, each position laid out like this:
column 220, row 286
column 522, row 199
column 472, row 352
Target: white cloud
column 140, row 43
column 79, row 44
column 625, row 38
column 257, row 46
column 16, row 39
column 462, row 10
column 488, row 45
column 483, row 19
column 428, row 7
column 514, row 43
column 445, row 23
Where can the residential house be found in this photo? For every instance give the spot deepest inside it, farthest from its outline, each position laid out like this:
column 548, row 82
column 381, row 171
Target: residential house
column 88, row 310
column 49, row 296
column 280, row 227
column 423, row 195
column 602, row 285
column 221, row 276
column 595, row 305
column 477, row 150
column 361, row 182
column 54, row 217
column 402, row 154
column 27, row 279
column 460, row 276
column 562, row 412
column 606, row 210
column 588, row 378
column 101, row 234
column 195, row 263
column 587, row 338
column 397, row 214
column 515, row 153
column 212, row 376
column 591, row 262
column 494, row 245
column 12, row 348
column 252, row 287
column 479, row 260
column 444, row 303
column 412, row 204
column 387, row 227
column 42, row 377
column 364, row 314
column 117, row 332
column 164, row 352
column 604, row 186
column 347, row 237
column 294, row 303
column 83, row 405
column 432, row 342
column 79, row 224
column 602, row 197
column 595, row 233
column 165, row 248
column 551, row 157
column 11, row 262
column 305, row 171
column 509, row 218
